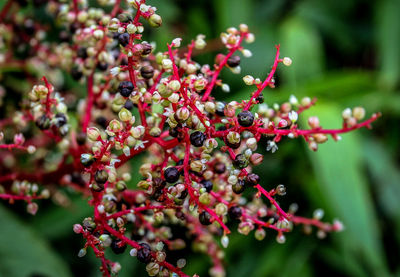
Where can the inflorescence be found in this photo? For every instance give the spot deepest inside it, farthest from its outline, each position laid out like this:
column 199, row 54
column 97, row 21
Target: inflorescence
column 200, row 151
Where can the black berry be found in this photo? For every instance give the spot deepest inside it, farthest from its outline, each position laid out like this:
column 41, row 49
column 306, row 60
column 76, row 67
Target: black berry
column 123, row 39
column 220, row 108
column 61, row 119
column 128, row 105
column 197, row 138
column 235, row 212
column 159, row 183
column 43, row 122
column 252, row 179
column 240, row 161
column 205, row 218
column 233, row 61
column 238, row 187
column 117, row 246
column 219, row 168
column 208, row 185
column 144, row 253
column 171, row 174
column 260, row 98
column 82, row 53
column 101, row 176
column 147, row 71
column 125, row 88
column 245, row 118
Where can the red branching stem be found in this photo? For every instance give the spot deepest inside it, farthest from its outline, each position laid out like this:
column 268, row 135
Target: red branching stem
column 191, row 190
column 89, row 103
column 48, row 99
column 312, row 221
column 27, row 198
column 266, row 82
column 220, row 66
column 273, row 202
column 299, row 132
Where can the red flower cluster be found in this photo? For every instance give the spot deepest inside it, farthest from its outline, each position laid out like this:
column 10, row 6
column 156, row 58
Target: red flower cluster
column 200, row 151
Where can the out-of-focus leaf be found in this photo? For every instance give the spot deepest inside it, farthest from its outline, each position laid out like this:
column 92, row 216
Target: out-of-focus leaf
column 388, row 41
column 386, row 176
column 24, row 253
column 65, row 217
column 338, row 170
column 232, row 12
column 302, row 44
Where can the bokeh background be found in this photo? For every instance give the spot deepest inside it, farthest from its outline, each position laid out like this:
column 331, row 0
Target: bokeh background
column 345, row 53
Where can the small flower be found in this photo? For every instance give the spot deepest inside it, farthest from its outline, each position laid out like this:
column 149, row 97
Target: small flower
column 293, row 116
column 177, row 42
column 287, row 61
column 140, row 144
column 272, row 146
column 115, row 70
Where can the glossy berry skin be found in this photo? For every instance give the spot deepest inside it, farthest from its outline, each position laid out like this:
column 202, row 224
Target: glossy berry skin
column 61, row 119
column 239, row 187
column 87, row 160
column 240, row 161
column 220, row 108
column 197, row 138
column 219, row 168
column 43, row 122
column 125, row 88
column 208, row 185
column 234, row 212
column 128, row 105
column 252, row 179
column 245, row 118
column 101, row 176
column 123, row 39
column 159, row 183
column 147, row 72
column 117, row 246
column 233, row 61
column 144, row 253
column 205, row 218
column 171, row 174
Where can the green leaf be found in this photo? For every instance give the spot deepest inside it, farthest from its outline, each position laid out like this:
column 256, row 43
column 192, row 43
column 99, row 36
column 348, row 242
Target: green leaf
column 301, row 42
column 24, row 252
column 337, row 166
column 388, row 41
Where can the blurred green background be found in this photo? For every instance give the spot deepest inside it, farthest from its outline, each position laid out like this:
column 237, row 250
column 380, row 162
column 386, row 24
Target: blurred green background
column 345, row 53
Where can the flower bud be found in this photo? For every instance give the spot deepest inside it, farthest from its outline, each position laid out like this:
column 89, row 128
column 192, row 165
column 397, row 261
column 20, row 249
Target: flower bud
column 313, row 121
column 93, row 133
column 155, row 20
column 359, row 113
column 248, row 80
column 125, row 115
column 287, row 61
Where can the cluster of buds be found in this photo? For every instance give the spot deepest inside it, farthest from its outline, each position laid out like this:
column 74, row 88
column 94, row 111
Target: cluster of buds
column 200, row 152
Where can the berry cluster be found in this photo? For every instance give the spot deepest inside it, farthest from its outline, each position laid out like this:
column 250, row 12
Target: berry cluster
column 200, row 151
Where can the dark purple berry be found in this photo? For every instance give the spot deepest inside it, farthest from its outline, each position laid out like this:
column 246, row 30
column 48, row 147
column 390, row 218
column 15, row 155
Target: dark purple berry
column 117, row 246
column 125, row 88
column 144, row 253
column 240, row 161
column 233, row 61
column 147, row 71
column 43, row 122
column 197, row 138
column 61, row 119
column 239, row 187
column 171, row 174
column 208, row 185
column 219, row 168
column 245, row 118
column 205, row 218
column 101, row 176
column 123, row 39
column 252, row 179
column 235, row 212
